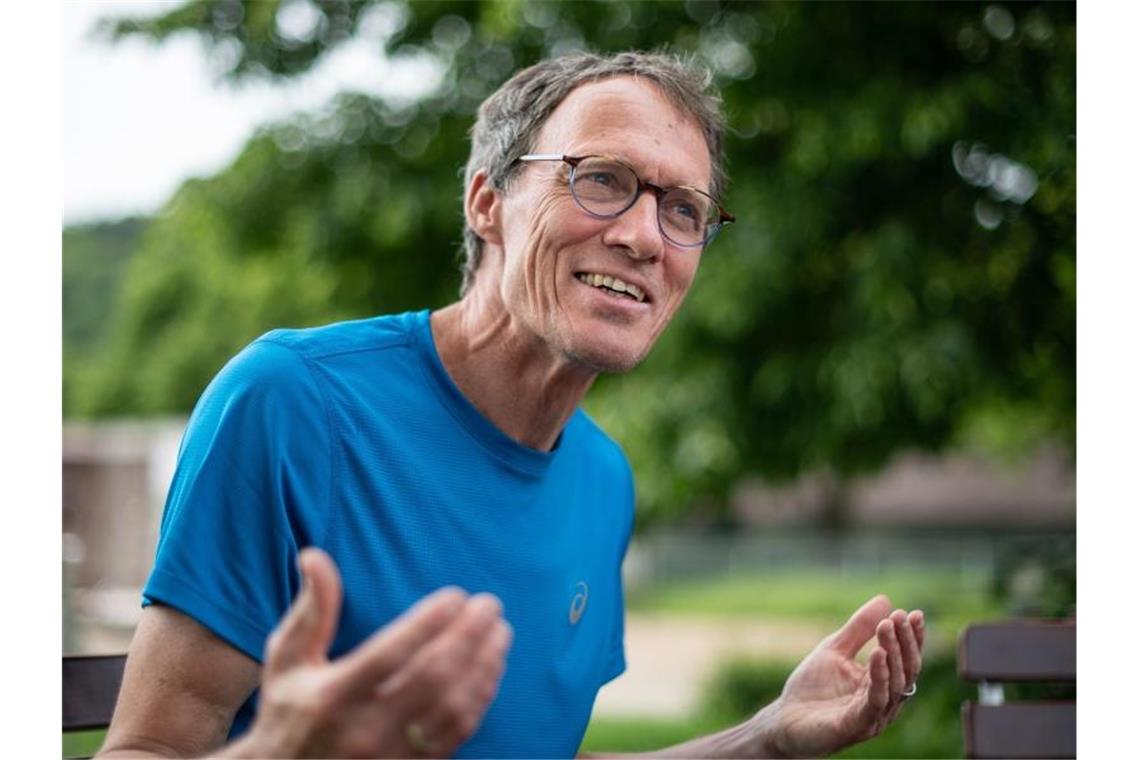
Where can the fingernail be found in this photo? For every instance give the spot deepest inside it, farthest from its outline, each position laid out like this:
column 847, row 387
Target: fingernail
column 301, row 573
column 452, row 599
column 486, row 603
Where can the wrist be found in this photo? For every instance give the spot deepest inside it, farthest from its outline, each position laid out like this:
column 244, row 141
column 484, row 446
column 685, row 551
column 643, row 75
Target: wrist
column 258, row 742
column 766, row 734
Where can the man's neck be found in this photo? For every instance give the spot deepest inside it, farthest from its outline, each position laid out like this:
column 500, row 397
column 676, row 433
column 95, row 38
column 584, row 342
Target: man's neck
column 506, row 372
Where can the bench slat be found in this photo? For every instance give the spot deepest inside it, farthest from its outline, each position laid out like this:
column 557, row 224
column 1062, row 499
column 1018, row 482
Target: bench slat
column 90, row 688
column 1021, row 729
column 1019, row 651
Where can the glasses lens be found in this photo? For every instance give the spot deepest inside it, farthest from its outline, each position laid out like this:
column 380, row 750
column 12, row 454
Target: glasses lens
column 687, row 216
column 604, row 187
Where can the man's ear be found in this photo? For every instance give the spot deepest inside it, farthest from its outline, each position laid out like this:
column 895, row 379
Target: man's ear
column 482, row 206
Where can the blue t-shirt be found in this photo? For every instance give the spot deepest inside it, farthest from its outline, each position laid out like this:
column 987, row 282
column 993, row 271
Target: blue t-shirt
column 352, row 437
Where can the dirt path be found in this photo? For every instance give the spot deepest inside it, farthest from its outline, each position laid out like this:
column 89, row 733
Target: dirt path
column 668, row 658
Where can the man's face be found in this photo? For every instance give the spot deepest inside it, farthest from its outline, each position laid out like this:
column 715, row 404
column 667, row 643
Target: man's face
column 550, row 244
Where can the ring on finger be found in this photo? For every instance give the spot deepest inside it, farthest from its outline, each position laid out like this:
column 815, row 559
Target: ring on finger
column 414, row 733
column 910, row 691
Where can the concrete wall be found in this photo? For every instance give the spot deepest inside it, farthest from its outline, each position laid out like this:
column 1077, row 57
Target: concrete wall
column 115, row 477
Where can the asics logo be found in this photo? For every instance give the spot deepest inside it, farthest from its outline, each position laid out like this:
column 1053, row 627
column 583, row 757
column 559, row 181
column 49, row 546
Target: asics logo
column 578, row 603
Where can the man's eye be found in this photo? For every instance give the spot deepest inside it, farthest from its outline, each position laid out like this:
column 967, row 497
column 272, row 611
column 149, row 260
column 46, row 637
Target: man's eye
column 687, row 210
column 605, row 179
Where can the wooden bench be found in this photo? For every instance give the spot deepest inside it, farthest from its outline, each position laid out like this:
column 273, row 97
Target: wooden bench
column 90, row 688
column 1019, row 652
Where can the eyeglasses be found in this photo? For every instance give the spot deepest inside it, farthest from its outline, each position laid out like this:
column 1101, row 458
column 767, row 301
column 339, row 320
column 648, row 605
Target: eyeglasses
column 606, row 188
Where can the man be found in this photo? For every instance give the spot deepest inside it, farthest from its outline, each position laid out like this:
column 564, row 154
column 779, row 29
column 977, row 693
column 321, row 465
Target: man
column 425, row 452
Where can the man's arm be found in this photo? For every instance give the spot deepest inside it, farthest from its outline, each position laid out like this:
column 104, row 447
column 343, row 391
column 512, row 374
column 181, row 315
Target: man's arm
column 181, row 688
column 430, row 673
column 831, row 700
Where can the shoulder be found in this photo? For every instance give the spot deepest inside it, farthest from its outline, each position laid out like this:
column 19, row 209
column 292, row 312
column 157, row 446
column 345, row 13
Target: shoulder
column 590, row 436
column 606, row 462
column 373, row 334
column 280, row 364
column 602, row 451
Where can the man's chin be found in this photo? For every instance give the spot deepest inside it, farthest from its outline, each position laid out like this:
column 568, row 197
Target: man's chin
column 610, row 362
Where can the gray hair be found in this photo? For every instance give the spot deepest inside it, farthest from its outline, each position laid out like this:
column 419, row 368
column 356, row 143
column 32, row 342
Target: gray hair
column 510, row 119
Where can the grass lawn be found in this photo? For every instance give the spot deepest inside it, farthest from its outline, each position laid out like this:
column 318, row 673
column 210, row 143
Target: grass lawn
column 949, row 599
column 643, row 734
column 83, row 743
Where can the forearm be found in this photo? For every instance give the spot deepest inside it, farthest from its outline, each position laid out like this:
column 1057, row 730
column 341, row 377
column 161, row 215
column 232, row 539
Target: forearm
column 247, row 746
column 754, row 738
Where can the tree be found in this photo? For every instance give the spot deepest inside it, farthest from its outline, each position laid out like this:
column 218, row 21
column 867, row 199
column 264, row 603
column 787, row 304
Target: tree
column 902, row 273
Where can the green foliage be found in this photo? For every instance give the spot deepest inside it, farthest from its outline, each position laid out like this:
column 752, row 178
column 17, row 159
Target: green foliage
column 94, row 257
column 1035, row 579
column 902, row 273
column 742, row 685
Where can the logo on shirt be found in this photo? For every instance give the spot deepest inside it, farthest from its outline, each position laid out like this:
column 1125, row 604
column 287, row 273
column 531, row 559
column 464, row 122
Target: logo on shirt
column 578, row 603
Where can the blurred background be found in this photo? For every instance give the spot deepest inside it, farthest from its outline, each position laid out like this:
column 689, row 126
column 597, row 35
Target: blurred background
column 871, row 387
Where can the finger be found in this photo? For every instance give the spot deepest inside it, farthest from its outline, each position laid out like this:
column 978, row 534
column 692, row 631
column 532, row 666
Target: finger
column 892, row 712
column 860, row 627
column 459, row 644
column 423, row 694
column 487, row 669
column 451, row 721
column 306, row 631
column 383, row 652
column 918, row 625
column 445, row 661
column 878, row 691
column 887, row 640
column 908, row 643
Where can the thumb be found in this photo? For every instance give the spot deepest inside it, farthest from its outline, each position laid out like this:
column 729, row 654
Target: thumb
column 860, row 627
column 305, row 633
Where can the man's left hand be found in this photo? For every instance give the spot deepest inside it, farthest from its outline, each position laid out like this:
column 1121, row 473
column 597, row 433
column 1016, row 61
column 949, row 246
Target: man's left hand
column 831, row 700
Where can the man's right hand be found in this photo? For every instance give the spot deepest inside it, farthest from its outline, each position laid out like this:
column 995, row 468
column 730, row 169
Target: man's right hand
column 418, row 687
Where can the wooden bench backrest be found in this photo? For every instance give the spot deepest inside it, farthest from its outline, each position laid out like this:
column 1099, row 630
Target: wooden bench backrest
column 1019, row 652
column 90, row 688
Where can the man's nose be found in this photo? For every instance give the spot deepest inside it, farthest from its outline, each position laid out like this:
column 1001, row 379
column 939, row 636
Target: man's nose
column 637, row 230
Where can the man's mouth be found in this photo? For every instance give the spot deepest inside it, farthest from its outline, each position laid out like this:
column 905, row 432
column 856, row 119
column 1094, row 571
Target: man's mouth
column 612, row 285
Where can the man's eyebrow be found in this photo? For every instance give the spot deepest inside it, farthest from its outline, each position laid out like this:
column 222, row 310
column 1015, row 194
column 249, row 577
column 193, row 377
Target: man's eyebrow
column 660, row 183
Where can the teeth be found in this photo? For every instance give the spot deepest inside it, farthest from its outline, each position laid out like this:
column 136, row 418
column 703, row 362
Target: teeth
column 613, row 283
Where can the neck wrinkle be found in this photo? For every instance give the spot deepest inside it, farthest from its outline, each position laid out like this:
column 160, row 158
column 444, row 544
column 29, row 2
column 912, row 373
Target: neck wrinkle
column 507, row 373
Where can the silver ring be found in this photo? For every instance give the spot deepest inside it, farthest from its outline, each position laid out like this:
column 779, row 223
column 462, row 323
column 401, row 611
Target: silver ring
column 910, row 691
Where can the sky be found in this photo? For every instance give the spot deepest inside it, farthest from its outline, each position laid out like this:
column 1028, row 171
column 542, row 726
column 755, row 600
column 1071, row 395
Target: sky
column 141, row 118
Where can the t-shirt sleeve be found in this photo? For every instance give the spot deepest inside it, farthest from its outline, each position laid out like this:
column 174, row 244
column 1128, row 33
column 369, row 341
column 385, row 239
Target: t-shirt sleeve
column 249, row 491
column 615, row 666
